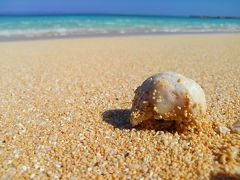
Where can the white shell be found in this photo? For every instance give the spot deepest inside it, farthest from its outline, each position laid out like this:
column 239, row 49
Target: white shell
column 168, row 96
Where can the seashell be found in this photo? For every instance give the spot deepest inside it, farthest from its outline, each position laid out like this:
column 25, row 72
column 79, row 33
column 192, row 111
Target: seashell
column 168, row 96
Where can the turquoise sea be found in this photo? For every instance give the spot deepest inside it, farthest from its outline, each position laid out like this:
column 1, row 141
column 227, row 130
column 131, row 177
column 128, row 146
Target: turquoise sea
column 96, row 25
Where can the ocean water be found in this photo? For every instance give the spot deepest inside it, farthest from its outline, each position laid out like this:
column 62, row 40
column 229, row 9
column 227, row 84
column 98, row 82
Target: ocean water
column 63, row 26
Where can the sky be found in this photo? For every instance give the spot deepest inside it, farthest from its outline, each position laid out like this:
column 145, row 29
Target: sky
column 125, row 7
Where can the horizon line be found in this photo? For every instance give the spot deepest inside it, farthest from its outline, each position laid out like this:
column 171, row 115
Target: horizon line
column 113, row 14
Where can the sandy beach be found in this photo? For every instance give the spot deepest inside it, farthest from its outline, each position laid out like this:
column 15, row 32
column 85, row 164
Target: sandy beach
column 65, row 106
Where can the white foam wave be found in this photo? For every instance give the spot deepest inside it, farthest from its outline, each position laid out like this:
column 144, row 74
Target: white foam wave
column 92, row 31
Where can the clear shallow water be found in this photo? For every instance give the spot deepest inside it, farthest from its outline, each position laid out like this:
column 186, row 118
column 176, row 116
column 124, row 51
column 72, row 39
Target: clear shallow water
column 55, row 26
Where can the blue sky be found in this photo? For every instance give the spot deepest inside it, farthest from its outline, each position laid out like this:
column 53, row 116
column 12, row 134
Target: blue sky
column 136, row 7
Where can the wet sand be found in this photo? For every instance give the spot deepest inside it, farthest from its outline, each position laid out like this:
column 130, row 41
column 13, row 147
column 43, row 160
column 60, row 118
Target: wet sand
column 65, row 105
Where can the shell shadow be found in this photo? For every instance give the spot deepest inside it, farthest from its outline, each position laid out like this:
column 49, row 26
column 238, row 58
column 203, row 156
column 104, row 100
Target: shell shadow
column 120, row 118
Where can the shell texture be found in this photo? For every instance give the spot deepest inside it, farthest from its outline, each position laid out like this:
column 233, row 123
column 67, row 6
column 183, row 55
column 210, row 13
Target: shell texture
column 168, row 96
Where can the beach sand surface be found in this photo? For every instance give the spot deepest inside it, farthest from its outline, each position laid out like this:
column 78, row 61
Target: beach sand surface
column 65, row 107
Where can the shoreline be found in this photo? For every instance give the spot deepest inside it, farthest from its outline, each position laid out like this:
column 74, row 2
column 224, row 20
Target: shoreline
column 115, row 34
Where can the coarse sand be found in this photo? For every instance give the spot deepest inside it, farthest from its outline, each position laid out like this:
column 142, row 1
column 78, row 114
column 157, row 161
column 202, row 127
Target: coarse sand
column 64, row 111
